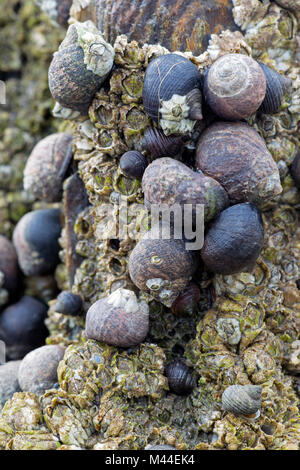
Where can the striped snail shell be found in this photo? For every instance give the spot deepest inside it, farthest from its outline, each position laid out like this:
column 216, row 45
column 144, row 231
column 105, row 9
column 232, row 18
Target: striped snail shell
column 180, row 377
column 242, row 400
column 160, row 145
column 277, row 87
column 235, row 86
column 133, row 164
column 171, row 93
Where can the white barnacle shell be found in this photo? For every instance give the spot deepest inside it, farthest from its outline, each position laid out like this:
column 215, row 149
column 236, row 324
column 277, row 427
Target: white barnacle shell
column 229, row 330
column 126, row 299
column 67, row 114
column 174, row 115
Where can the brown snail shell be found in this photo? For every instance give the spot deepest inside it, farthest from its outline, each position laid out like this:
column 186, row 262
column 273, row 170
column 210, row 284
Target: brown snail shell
column 119, row 319
column 9, row 265
column 133, row 164
column 47, row 166
column 80, row 66
column 187, row 301
column 161, row 267
column 277, row 87
column 295, row 170
column 180, row 377
column 68, row 303
column 242, row 400
column 171, row 93
column 234, row 240
column 235, row 86
column 160, row 145
column 57, row 10
column 235, row 155
column 168, row 181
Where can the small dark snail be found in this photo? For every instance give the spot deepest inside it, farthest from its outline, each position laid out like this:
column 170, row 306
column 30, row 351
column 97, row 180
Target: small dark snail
column 235, row 86
column 22, row 327
column 180, row 377
column 168, row 181
column 57, row 10
column 242, row 400
column 68, row 303
column 133, row 164
column 119, row 319
column 277, row 87
column 235, row 155
column 38, row 369
column 187, row 301
column 171, row 93
column 9, row 380
column 161, row 267
column 295, row 170
column 47, row 166
column 9, row 265
column 234, row 240
column 160, row 145
column 159, row 447
column 80, row 66
column 36, row 241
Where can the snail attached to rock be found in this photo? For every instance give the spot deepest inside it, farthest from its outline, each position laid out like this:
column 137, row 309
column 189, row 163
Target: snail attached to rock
column 172, row 93
column 160, row 145
column 133, row 164
column 9, row 265
column 47, row 167
column 68, row 303
column 277, row 86
column 119, row 319
column 244, row 400
column 80, row 66
column 180, row 377
column 186, row 302
column 235, row 155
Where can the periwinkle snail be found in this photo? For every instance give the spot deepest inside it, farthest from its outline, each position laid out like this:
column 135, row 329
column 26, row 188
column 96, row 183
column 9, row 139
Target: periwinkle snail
column 35, row 238
column 133, row 164
column 119, row 319
column 9, row 264
column 235, row 155
column 68, row 303
column 47, row 166
column 234, row 240
column 161, row 267
column 180, row 377
column 80, row 66
column 171, row 93
column 168, row 181
column 277, row 87
column 160, row 145
column 234, row 86
column 242, row 400
column 186, row 302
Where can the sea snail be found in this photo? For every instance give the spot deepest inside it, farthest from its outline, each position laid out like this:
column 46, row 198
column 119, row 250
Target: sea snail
column 234, row 240
column 244, row 400
column 158, row 145
column 171, row 93
column 180, row 377
column 187, row 301
column 295, row 170
column 133, row 164
column 80, row 66
column 9, row 265
column 119, row 319
column 277, row 86
column 235, row 155
column 47, row 167
column 234, row 86
column 68, row 303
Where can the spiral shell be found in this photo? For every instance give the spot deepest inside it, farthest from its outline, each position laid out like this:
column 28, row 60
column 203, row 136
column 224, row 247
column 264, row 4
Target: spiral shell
column 80, row 66
column 242, row 400
column 133, row 164
column 187, row 301
column 277, row 86
column 171, row 93
column 235, row 86
column 159, row 145
column 68, row 303
column 47, row 166
column 180, row 377
column 235, row 155
column 234, row 240
column 119, row 319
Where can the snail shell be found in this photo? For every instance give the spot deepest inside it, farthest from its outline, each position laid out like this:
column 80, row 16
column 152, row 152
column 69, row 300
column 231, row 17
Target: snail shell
column 9, row 265
column 57, row 10
column 234, row 240
column 187, row 301
column 119, row 319
column 277, row 87
column 171, row 93
column 133, row 164
column 235, row 86
column 235, row 155
column 180, row 377
column 168, row 181
column 160, row 145
column 80, row 66
column 295, row 170
column 68, row 303
column 35, row 238
column 242, row 400
column 47, row 166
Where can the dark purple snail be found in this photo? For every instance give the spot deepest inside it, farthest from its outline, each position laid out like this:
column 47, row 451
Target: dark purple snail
column 133, row 164
column 68, row 303
column 242, row 400
column 9, row 265
column 277, row 86
column 234, row 86
column 187, row 301
column 119, row 319
column 171, row 93
column 160, row 145
column 234, row 240
column 47, row 167
column 180, row 377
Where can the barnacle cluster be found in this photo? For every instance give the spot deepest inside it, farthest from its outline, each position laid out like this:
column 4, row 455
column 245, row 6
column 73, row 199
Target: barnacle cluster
column 245, row 328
